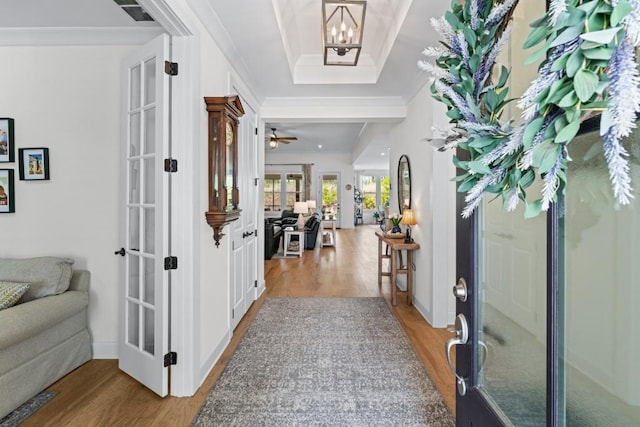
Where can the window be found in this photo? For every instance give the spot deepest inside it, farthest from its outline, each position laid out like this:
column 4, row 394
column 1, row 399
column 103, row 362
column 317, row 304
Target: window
column 385, row 186
column 295, row 189
column 375, row 191
column 272, row 191
column 369, row 193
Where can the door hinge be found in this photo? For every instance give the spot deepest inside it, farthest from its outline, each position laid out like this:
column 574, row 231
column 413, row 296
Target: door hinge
column 233, row 313
column 255, row 283
column 170, row 165
column 170, row 358
column 256, row 181
column 171, row 68
column 256, row 131
column 256, row 233
column 171, row 263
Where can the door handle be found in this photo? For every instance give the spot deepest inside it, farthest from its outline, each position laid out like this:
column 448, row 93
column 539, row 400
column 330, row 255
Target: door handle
column 121, row 252
column 245, row 234
column 461, row 338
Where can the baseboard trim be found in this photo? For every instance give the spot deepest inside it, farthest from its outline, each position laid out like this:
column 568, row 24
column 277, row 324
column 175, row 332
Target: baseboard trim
column 206, row 368
column 105, row 350
column 426, row 314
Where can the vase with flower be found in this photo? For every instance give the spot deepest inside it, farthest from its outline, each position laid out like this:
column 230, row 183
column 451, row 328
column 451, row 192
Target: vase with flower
column 395, row 219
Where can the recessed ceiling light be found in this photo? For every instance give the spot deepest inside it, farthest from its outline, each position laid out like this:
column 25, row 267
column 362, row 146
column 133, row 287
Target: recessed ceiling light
column 319, row 145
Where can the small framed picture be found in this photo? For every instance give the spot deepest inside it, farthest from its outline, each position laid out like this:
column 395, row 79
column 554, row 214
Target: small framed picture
column 7, row 150
column 7, row 202
column 34, row 164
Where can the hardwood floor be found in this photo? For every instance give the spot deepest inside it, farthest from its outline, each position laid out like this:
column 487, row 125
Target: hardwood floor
column 98, row 394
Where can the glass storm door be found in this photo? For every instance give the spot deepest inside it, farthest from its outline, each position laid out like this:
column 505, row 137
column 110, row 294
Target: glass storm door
column 548, row 307
column 144, row 303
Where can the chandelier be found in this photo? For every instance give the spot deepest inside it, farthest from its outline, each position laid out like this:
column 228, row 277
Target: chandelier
column 342, row 25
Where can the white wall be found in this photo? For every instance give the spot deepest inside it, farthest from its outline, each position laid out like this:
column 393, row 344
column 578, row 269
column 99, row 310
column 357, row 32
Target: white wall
column 323, row 162
column 68, row 99
column 433, row 203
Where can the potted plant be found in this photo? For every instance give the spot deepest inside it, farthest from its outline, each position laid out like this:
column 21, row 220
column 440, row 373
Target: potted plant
column 395, row 219
column 376, row 215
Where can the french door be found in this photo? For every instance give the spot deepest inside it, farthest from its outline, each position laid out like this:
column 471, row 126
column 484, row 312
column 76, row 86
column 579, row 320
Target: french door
column 145, row 205
column 547, row 307
column 329, row 194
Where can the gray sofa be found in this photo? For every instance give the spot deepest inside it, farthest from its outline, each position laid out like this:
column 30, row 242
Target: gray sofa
column 45, row 337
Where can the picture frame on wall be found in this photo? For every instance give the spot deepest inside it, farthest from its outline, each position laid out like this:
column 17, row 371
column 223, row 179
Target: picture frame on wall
column 7, row 194
column 7, row 144
column 34, row 164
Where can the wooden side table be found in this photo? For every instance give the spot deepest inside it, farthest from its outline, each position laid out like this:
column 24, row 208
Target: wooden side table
column 396, row 245
column 288, row 249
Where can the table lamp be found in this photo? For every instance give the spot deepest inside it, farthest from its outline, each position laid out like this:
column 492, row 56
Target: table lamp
column 311, row 205
column 300, row 208
column 408, row 219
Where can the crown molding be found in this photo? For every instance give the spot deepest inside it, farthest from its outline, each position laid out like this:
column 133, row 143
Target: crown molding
column 77, row 36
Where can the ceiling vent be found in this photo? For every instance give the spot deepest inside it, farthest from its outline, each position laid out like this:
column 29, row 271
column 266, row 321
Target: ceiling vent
column 134, row 10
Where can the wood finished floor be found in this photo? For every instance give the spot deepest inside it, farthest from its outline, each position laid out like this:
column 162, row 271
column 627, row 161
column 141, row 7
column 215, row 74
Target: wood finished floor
column 98, row 394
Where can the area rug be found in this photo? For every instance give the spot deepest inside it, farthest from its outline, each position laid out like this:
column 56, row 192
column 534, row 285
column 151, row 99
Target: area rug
column 27, row 409
column 324, row 362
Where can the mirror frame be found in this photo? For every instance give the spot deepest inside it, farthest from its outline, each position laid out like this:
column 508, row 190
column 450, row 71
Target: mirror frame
column 403, row 186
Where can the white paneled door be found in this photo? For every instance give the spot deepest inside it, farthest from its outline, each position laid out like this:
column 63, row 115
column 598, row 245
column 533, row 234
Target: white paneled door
column 244, row 258
column 144, row 335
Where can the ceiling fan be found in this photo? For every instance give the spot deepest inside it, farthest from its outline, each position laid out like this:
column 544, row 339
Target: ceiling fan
column 275, row 140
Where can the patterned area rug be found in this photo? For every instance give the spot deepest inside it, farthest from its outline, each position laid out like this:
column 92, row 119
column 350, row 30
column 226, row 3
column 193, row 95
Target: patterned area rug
column 324, row 362
column 27, row 409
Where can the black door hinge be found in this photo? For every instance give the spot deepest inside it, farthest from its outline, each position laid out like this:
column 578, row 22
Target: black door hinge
column 170, row 358
column 255, row 284
column 256, row 233
column 170, row 165
column 256, row 131
column 256, row 181
column 171, row 263
column 171, row 68
column 233, row 313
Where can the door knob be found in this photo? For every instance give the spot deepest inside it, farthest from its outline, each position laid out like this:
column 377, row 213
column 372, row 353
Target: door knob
column 461, row 338
column 460, row 290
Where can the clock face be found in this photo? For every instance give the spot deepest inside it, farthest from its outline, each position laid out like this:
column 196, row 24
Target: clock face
column 229, row 134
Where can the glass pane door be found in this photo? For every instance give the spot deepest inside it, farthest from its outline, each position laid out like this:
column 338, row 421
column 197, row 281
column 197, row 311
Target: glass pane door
column 602, row 292
column 511, row 322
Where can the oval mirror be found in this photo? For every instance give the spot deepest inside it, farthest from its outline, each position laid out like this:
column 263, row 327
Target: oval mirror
column 404, row 183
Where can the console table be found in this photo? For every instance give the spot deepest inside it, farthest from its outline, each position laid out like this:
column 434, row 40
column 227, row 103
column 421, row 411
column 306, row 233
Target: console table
column 396, row 245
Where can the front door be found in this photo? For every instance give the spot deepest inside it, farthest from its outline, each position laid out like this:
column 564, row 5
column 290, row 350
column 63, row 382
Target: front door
column 547, row 307
column 145, row 206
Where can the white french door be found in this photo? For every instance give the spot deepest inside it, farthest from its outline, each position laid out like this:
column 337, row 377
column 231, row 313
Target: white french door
column 329, row 194
column 144, row 339
column 244, row 248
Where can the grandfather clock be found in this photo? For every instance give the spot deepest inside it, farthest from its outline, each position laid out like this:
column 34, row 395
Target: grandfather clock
column 224, row 113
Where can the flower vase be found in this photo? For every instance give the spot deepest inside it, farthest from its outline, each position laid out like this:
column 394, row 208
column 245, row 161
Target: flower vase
column 396, row 229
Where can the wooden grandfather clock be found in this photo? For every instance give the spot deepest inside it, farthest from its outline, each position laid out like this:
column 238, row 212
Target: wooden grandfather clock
column 224, row 114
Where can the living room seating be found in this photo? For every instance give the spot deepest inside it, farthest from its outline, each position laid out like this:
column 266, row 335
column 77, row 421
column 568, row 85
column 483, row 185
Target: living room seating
column 272, row 237
column 287, row 217
column 43, row 325
column 311, row 227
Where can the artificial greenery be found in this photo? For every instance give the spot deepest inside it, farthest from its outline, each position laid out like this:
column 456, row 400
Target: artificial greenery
column 589, row 66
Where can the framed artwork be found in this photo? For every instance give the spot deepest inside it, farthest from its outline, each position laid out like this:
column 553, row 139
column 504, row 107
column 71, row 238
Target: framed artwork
column 7, row 150
column 34, row 164
column 7, row 202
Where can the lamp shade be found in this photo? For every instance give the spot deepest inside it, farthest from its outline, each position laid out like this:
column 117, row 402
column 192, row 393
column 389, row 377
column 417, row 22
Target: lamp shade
column 300, row 208
column 407, row 217
column 311, row 204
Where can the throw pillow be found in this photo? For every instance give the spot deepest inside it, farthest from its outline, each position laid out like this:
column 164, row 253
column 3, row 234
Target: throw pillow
column 46, row 275
column 10, row 293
